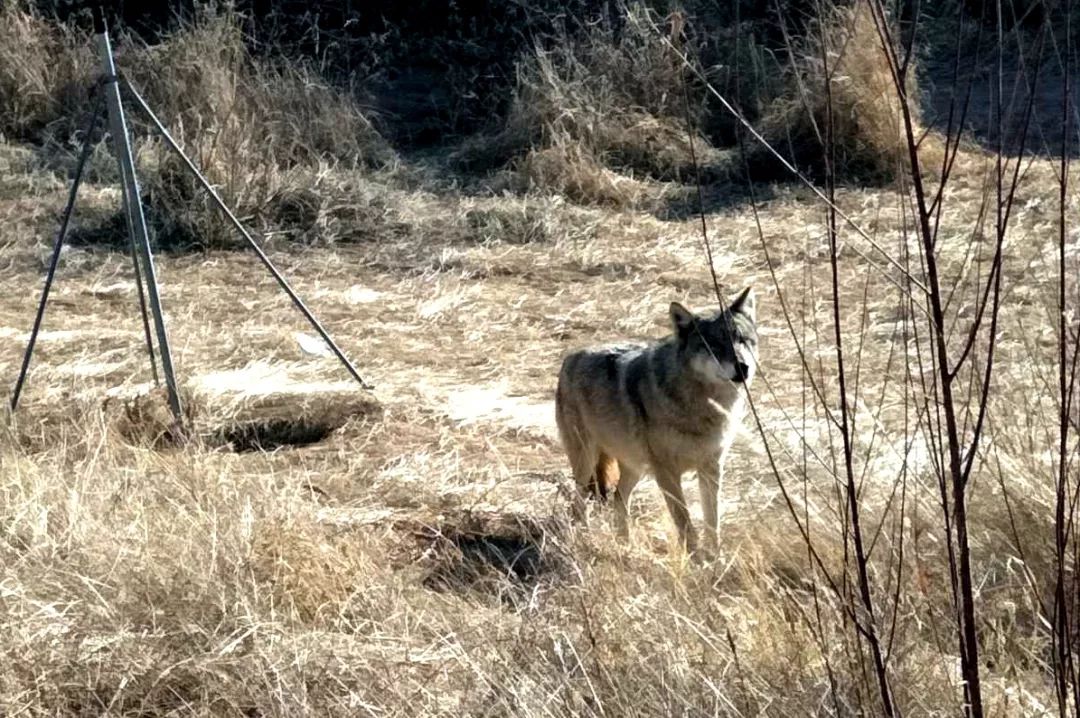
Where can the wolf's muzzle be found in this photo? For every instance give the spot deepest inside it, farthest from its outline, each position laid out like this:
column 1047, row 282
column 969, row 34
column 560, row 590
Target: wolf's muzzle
column 742, row 371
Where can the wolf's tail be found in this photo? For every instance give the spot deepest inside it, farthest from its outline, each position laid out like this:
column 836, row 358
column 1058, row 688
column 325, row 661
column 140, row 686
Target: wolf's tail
column 605, row 474
column 605, row 477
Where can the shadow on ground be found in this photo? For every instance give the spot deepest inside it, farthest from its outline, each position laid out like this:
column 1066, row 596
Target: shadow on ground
column 716, row 197
column 1020, row 84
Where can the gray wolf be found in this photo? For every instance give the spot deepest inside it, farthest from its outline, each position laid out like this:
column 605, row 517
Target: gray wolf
column 664, row 408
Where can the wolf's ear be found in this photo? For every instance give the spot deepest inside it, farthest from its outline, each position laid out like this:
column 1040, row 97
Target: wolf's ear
column 681, row 319
column 745, row 304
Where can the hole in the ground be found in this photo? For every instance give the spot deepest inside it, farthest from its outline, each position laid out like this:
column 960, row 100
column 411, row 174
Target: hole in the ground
column 273, row 434
column 255, row 423
column 491, row 553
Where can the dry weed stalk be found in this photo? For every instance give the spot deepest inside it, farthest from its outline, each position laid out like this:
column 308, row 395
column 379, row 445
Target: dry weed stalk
column 1066, row 623
column 958, row 451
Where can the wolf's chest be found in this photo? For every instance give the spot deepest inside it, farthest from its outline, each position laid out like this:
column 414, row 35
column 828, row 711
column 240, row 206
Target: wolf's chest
column 704, row 438
column 704, row 432
column 712, row 418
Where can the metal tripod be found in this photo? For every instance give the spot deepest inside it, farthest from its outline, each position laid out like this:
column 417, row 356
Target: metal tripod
column 141, row 254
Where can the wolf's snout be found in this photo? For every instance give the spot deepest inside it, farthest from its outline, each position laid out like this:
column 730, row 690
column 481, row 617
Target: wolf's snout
column 742, row 372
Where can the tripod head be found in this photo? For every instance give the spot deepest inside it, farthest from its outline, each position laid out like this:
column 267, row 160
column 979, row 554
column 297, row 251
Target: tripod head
column 100, row 11
column 99, row 18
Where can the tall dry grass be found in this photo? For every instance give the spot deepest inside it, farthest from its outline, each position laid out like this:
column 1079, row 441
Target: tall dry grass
column 252, row 126
column 622, row 99
column 841, row 69
column 420, row 562
column 45, row 75
column 587, row 105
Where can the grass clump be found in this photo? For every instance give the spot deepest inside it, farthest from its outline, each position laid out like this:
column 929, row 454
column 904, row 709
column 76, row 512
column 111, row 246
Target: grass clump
column 261, row 129
column 202, row 80
column 841, row 59
column 572, row 171
column 611, row 100
column 45, row 75
column 248, row 124
column 519, row 223
column 606, row 101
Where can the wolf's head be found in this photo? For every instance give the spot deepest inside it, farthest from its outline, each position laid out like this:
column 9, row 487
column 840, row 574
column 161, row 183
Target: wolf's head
column 720, row 347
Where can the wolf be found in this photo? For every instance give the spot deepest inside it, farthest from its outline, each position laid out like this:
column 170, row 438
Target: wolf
column 664, row 408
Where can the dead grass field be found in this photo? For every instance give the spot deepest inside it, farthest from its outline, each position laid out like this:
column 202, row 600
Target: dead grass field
column 413, row 555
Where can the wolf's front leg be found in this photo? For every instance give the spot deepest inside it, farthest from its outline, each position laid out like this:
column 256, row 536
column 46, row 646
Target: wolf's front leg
column 710, row 478
column 670, row 483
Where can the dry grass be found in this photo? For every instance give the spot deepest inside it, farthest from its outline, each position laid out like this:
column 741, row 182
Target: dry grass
column 572, row 172
column 417, row 558
column 589, row 109
column 204, row 80
column 260, row 407
column 603, row 104
column 842, row 59
column 379, row 567
column 255, row 129
column 45, row 72
column 262, row 131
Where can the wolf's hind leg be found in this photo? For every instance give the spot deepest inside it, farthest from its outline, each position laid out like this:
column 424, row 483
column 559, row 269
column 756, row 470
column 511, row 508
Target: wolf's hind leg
column 579, row 448
column 628, row 479
column 583, row 461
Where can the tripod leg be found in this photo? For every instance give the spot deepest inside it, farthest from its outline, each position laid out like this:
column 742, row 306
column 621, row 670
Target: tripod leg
column 138, row 276
column 247, row 236
column 57, row 246
column 122, row 147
